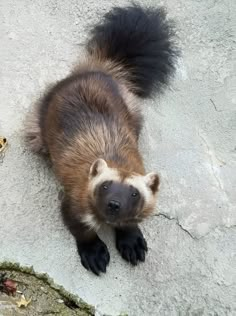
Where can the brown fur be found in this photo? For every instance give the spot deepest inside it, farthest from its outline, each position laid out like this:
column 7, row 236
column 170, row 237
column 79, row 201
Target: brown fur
column 72, row 159
column 32, row 131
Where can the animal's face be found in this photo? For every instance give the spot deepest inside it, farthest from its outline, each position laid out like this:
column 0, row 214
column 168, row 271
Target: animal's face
column 120, row 200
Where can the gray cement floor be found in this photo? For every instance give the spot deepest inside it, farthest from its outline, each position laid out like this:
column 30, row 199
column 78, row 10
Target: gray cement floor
column 189, row 137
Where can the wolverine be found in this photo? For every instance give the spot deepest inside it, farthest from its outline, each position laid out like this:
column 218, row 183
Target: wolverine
column 89, row 125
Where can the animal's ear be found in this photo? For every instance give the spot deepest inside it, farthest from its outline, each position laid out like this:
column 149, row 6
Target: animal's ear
column 152, row 180
column 97, row 167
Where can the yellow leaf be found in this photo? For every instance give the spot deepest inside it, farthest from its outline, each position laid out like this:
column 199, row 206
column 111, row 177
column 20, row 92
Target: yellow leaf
column 3, row 143
column 23, row 302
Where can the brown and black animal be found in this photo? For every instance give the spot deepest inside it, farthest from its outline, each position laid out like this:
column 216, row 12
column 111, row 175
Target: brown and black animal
column 90, row 122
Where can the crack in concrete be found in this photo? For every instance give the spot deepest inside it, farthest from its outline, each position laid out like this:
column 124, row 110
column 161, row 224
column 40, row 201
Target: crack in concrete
column 212, row 159
column 177, row 222
column 186, row 231
column 215, row 106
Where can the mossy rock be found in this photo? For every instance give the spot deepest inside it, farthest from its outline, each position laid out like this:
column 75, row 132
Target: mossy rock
column 47, row 298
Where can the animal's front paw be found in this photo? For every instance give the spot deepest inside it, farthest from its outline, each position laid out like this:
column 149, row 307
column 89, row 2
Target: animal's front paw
column 131, row 244
column 94, row 255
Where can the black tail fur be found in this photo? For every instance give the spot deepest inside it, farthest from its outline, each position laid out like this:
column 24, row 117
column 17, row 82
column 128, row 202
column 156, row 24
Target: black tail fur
column 142, row 40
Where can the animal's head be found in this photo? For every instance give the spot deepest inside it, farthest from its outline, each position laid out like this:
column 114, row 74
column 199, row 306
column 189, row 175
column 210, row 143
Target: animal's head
column 118, row 197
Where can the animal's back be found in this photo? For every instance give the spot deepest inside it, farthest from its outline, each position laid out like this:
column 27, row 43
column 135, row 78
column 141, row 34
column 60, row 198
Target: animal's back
column 85, row 117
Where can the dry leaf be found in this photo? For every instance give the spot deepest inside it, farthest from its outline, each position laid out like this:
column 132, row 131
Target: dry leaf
column 7, row 286
column 3, row 144
column 10, row 286
column 23, row 302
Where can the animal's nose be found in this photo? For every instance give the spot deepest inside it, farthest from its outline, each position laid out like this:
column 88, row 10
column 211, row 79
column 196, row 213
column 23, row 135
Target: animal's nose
column 114, row 206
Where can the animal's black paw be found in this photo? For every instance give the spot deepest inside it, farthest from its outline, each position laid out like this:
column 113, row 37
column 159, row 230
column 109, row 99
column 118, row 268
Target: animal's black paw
column 131, row 244
column 94, row 255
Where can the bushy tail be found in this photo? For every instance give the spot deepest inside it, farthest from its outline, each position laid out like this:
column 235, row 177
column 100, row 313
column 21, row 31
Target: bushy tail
column 142, row 41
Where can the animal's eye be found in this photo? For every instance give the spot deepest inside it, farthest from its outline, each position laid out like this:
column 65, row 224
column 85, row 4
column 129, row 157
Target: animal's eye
column 134, row 194
column 105, row 185
column 4, row 140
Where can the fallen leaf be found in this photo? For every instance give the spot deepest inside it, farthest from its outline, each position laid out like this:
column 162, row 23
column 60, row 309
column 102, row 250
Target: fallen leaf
column 10, row 286
column 23, row 302
column 3, row 143
column 7, row 286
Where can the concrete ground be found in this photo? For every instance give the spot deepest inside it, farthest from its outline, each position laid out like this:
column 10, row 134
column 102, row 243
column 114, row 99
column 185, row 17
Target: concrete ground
column 189, row 137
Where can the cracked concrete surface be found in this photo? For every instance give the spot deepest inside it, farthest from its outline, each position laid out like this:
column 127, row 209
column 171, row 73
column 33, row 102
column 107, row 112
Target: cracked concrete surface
column 189, row 137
